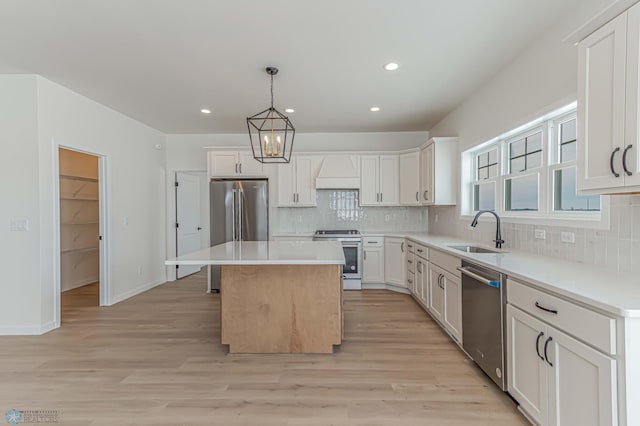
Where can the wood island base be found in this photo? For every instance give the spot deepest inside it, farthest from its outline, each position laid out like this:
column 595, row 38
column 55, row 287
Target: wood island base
column 281, row 308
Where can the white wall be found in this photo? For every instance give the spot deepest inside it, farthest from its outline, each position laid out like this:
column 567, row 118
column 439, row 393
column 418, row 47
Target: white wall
column 541, row 79
column 19, row 251
column 35, row 112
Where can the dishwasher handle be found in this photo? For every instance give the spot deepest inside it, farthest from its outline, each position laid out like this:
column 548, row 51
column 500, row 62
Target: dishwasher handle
column 466, row 271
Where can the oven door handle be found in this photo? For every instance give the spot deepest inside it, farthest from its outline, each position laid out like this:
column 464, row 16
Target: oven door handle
column 465, row 271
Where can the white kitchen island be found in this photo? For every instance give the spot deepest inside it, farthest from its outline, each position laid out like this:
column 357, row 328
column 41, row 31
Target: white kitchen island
column 277, row 296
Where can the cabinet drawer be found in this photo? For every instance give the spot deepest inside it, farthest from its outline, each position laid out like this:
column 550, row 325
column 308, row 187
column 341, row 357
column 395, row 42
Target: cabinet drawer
column 446, row 261
column 421, row 251
column 592, row 327
column 411, row 280
column 373, row 241
column 411, row 246
column 411, row 261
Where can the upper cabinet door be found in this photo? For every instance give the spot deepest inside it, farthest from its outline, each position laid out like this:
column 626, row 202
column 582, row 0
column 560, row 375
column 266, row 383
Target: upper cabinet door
column 410, row 179
column 286, row 184
column 389, row 180
column 249, row 166
column 369, row 180
column 601, row 106
column 427, row 174
column 632, row 117
column 306, row 171
column 222, row 163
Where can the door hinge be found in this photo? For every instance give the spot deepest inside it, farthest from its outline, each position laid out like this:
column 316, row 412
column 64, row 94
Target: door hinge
column 177, row 184
column 177, row 266
column 177, row 225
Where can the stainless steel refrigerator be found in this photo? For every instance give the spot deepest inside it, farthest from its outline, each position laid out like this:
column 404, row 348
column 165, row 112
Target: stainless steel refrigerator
column 239, row 211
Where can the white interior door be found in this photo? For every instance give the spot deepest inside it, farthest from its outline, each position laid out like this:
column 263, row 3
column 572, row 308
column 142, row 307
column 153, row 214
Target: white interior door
column 187, row 219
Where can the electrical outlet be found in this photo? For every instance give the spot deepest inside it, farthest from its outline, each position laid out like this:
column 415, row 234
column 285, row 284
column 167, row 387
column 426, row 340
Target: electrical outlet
column 387, row 218
column 540, row 234
column 568, row 237
column 139, row 269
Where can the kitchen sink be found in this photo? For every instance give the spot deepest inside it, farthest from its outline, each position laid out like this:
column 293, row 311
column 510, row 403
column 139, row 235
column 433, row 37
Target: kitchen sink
column 475, row 249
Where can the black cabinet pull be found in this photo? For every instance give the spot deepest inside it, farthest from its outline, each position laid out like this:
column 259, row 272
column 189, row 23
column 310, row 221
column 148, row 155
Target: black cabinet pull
column 539, row 306
column 613, row 154
column 624, row 160
column 538, row 345
column 546, row 344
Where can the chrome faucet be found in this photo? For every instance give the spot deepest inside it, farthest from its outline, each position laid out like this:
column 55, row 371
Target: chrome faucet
column 499, row 241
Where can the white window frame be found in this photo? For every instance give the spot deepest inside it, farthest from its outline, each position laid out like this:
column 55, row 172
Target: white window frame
column 495, row 180
column 545, row 215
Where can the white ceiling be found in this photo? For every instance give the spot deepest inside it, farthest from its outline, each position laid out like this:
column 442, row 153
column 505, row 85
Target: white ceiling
column 161, row 61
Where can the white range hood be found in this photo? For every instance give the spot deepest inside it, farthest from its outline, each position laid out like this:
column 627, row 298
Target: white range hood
column 339, row 172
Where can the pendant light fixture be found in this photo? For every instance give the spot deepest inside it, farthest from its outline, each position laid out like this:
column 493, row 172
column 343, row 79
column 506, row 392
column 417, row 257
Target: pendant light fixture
column 271, row 132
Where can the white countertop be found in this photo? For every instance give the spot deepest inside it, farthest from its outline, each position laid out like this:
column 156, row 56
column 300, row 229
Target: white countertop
column 611, row 291
column 266, row 253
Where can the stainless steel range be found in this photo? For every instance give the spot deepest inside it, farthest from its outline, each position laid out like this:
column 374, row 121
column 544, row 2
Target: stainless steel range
column 352, row 245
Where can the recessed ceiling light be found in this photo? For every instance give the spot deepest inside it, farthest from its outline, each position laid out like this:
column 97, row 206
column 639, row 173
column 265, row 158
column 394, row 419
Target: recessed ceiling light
column 290, row 110
column 205, row 111
column 391, row 66
column 374, row 109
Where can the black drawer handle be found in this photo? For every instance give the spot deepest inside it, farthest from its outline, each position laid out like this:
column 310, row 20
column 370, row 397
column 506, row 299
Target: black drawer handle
column 613, row 154
column 538, row 345
column 419, row 250
column 546, row 344
column 409, row 261
column 539, row 306
column 372, row 242
column 624, row 160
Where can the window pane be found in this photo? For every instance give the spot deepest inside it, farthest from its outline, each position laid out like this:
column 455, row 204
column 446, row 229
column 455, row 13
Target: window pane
column 516, row 148
column 568, row 131
column 534, row 142
column 493, row 171
column 493, row 156
column 521, row 194
column 483, row 173
column 517, row 165
column 483, row 160
column 534, row 160
column 484, row 196
column 565, row 193
column 568, row 152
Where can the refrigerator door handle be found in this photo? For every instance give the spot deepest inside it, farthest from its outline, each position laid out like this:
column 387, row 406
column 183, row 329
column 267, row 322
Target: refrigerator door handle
column 233, row 214
column 240, row 213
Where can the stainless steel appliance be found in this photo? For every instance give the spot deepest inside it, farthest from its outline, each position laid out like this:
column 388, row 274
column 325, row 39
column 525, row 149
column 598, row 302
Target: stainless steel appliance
column 351, row 241
column 239, row 211
column 483, row 328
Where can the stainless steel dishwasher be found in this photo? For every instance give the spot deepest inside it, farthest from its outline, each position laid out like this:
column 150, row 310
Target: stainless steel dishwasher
column 483, row 328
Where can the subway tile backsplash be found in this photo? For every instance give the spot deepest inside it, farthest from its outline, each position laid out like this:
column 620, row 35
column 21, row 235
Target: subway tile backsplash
column 340, row 209
column 617, row 248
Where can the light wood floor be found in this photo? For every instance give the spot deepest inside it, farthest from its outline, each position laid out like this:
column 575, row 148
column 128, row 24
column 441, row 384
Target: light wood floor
column 155, row 359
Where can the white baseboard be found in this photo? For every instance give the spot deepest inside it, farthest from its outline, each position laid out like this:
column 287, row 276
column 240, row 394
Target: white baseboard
column 134, row 292
column 383, row 286
column 27, row 330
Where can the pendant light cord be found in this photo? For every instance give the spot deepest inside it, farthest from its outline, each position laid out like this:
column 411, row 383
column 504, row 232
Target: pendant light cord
column 271, row 91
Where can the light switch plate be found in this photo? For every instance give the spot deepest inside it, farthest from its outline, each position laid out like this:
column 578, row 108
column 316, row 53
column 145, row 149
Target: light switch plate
column 19, row 225
column 568, row 237
column 540, row 234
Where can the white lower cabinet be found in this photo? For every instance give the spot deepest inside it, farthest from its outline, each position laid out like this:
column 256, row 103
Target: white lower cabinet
column 394, row 261
column 558, row 380
column 421, row 288
column 373, row 260
column 436, row 293
column 453, row 305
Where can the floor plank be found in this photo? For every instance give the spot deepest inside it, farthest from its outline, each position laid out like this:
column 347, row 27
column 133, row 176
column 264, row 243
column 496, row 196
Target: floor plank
column 156, row 359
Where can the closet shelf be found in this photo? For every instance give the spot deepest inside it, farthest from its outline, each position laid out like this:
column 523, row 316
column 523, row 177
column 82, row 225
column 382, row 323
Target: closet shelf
column 79, row 198
column 79, row 223
column 80, row 250
column 85, row 179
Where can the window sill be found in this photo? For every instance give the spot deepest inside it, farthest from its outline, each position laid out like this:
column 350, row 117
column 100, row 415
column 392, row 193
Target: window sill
column 601, row 222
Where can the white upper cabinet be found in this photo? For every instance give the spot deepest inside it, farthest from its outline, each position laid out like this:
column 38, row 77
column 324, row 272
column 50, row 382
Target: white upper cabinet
column 410, row 179
column 608, row 97
column 439, row 172
column 233, row 163
column 379, row 180
column 297, row 181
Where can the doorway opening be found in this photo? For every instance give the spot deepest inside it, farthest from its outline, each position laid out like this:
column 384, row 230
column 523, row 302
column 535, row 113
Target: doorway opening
column 80, row 231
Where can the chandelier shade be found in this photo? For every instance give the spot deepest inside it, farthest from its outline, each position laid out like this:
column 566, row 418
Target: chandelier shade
column 270, row 132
